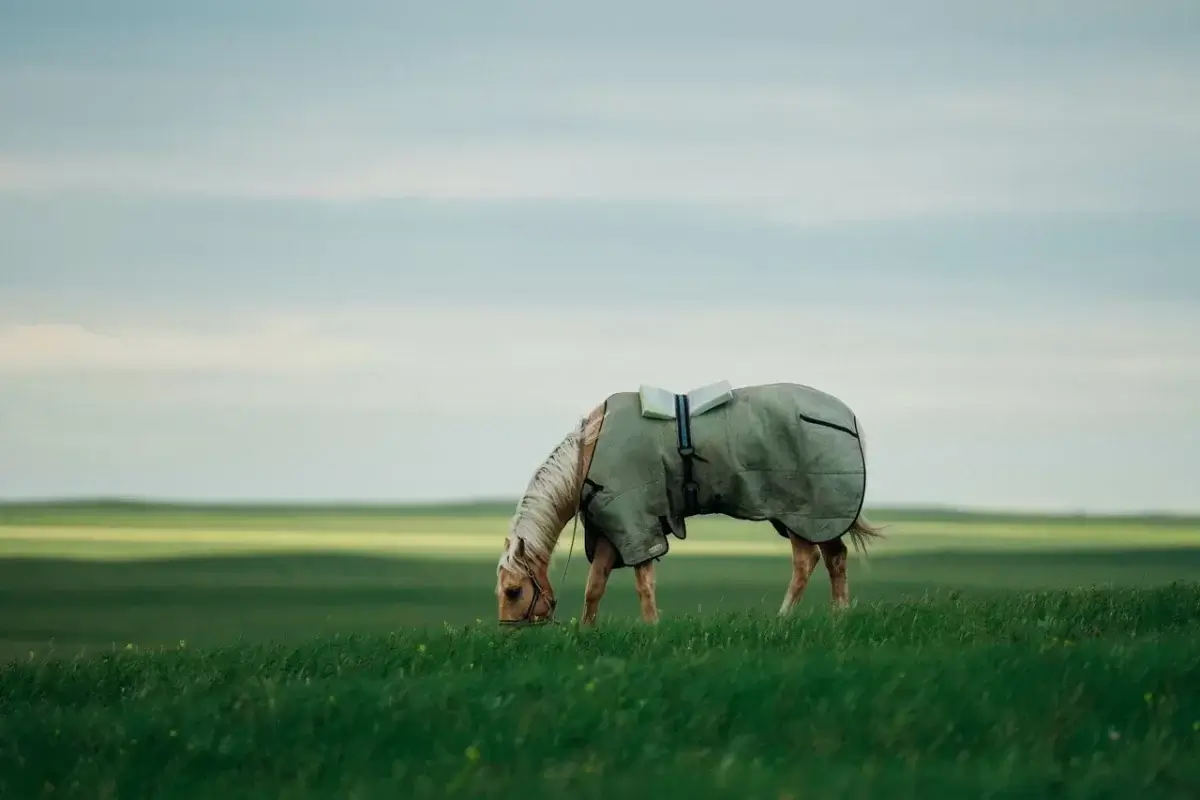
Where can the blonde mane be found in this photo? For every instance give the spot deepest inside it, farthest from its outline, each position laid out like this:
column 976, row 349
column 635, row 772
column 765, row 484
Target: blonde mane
column 550, row 499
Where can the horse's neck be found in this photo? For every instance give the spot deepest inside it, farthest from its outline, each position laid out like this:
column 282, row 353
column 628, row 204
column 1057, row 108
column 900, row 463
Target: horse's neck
column 563, row 512
column 557, row 504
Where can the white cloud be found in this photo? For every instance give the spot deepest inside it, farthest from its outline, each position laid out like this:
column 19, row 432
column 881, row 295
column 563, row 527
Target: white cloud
column 803, row 153
column 895, row 363
column 270, row 347
column 1090, row 408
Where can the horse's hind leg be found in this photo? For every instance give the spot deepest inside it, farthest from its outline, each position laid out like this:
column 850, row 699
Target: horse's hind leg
column 805, row 556
column 835, row 561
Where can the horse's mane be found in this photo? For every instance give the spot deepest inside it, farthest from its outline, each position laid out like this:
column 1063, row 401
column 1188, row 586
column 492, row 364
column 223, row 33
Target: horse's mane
column 550, row 499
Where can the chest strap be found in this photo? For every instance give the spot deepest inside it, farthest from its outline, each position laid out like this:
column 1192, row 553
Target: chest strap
column 687, row 453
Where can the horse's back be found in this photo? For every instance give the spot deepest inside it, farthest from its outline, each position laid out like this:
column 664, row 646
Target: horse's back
column 784, row 451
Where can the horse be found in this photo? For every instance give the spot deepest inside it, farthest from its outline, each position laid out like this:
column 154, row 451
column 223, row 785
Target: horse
column 732, row 455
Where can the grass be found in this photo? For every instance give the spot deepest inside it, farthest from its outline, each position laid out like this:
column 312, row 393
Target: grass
column 1090, row 693
column 301, row 653
column 52, row 605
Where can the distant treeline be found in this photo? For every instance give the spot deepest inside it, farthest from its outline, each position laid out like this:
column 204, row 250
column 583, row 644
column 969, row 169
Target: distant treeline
column 497, row 507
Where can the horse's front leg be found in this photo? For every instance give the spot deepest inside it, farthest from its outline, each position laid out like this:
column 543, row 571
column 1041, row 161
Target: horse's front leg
column 644, row 581
column 597, row 580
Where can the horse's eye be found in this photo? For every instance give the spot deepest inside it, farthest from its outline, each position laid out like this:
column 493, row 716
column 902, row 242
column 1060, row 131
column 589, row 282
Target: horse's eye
column 512, row 592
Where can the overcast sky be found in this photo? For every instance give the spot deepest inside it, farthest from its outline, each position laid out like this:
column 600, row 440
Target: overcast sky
column 391, row 251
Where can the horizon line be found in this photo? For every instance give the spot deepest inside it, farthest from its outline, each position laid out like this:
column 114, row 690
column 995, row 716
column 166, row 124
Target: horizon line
column 496, row 504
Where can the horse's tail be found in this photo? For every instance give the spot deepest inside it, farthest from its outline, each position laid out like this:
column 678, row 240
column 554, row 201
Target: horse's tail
column 863, row 531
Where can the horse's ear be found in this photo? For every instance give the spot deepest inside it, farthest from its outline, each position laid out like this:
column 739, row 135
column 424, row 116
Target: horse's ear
column 520, row 548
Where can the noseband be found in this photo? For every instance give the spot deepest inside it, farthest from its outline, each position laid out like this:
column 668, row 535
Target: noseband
column 528, row 620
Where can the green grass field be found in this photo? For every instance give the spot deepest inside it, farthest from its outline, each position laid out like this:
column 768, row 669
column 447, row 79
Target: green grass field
column 341, row 652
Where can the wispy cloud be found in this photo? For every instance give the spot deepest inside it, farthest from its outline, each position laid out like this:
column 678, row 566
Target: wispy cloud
column 902, row 362
column 806, row 152
column 975, row 406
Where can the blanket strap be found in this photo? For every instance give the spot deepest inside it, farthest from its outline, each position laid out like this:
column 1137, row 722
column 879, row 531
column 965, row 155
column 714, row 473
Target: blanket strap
column 687, row 453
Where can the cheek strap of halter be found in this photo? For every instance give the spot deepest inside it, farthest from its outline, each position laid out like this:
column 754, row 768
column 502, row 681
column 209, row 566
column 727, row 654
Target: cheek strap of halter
column 528, row 619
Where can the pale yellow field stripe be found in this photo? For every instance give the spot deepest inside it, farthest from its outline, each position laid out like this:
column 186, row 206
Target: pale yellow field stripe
column 907, row 538
column 320, row 541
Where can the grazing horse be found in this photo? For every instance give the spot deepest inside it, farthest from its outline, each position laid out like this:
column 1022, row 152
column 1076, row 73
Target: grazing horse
column 641, row 463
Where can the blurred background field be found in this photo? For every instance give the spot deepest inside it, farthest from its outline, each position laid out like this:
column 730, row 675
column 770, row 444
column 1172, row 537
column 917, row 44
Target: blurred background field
column 85, row 577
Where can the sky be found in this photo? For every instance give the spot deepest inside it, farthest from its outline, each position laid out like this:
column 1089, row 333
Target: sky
column 393, row 251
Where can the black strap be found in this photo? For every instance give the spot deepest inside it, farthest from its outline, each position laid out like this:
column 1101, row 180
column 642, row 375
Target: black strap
column 586, row 498
column 683, row 427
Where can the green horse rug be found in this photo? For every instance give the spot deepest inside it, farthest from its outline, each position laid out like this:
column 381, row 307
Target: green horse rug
column 782, row 452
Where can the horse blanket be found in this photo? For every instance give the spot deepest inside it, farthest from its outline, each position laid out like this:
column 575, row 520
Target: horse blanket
column 782, row 452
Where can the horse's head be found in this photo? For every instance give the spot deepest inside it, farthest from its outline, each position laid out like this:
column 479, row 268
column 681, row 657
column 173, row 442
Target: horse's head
column 524, row 595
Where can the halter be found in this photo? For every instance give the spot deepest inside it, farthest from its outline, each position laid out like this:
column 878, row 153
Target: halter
column 528, row 620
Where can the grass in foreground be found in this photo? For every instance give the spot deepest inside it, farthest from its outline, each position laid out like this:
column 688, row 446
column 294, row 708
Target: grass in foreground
column 1066, row 693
